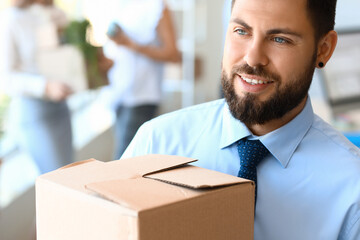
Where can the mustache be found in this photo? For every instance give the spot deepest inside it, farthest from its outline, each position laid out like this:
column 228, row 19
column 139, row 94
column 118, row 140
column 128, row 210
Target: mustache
column 257, row 71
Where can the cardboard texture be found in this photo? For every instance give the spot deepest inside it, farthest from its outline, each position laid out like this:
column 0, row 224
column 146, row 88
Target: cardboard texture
column 149, row 197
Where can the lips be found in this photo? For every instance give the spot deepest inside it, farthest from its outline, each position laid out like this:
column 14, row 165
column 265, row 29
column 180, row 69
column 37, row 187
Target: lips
column 253, row 84
column 254, row 81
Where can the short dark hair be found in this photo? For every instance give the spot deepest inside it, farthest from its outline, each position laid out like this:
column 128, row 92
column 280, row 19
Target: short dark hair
column 322, row 15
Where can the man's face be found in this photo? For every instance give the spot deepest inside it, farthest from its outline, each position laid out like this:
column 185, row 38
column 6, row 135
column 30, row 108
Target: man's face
column 269, row 59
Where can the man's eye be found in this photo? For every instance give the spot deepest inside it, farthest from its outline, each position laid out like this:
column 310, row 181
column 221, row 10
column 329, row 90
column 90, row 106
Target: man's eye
column 240, row 31
column 280, row 40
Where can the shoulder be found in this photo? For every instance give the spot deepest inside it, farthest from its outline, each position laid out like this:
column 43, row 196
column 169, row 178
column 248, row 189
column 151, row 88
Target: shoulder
column 335, row 141
column 186, row 124
column 178, row 131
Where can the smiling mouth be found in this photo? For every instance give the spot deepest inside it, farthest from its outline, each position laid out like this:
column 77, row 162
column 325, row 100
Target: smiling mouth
column 255, row 81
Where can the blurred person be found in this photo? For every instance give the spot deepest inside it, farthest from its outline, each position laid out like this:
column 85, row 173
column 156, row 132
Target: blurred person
column 40, row 112
column 143, row 38
column 306, row 173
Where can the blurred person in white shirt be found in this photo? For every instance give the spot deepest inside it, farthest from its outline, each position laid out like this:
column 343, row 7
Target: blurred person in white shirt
column 39, row 107
column 143, row 38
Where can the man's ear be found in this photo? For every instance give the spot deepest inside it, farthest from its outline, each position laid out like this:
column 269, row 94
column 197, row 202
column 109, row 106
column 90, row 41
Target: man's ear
column 326, row 47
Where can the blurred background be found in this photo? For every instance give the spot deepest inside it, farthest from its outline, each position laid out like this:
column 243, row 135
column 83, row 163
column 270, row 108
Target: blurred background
column 200, row 27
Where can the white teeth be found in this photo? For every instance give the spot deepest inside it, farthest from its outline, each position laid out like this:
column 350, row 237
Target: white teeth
column 254, row 81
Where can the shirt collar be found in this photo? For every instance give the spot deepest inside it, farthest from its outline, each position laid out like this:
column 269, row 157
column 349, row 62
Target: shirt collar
column 281, row 142
column 232, row 129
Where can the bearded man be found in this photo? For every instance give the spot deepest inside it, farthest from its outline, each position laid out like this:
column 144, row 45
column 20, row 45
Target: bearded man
column 308, row 177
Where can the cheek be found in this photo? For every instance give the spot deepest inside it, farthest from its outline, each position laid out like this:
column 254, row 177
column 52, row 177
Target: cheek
column 291, row 65
column 232, row 54
column 284, row 67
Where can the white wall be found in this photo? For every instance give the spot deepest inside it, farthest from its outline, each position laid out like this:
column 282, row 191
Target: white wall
column 208, row 86
column 347, row 15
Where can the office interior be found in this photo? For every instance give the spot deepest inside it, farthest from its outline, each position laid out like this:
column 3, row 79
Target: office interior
column 200, row 27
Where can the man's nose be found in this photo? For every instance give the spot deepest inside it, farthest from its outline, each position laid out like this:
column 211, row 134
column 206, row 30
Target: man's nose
column 256, row 54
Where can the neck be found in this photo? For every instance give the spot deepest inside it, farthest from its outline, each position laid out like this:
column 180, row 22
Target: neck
column 262, row 129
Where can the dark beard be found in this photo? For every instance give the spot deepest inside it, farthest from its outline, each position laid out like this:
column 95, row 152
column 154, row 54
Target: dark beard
column 251, row 111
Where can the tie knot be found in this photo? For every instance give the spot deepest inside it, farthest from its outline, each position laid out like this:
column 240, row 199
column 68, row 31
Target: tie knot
column 251, row 152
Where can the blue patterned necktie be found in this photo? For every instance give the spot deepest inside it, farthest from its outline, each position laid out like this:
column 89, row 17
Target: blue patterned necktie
column 251, row 152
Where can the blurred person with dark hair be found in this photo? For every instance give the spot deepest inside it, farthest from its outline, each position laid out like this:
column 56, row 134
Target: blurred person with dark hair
column 39, row 107
column 143, row 38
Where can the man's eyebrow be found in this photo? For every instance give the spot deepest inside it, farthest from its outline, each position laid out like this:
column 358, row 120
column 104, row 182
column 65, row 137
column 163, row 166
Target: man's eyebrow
column 241, row 22
column 283, row 31
column 269, row 32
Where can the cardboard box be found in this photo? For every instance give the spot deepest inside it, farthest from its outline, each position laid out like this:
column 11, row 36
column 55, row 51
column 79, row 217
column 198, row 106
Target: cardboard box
column 155, row 197
column 65, row 64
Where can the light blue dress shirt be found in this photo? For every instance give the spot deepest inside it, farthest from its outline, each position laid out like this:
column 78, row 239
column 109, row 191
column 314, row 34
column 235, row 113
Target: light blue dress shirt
column 308, row 187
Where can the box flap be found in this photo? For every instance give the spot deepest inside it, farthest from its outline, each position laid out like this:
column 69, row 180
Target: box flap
column 181, row 183
column 77, row 175
column 151, row 163
column 196, row 177
column 140, row 193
